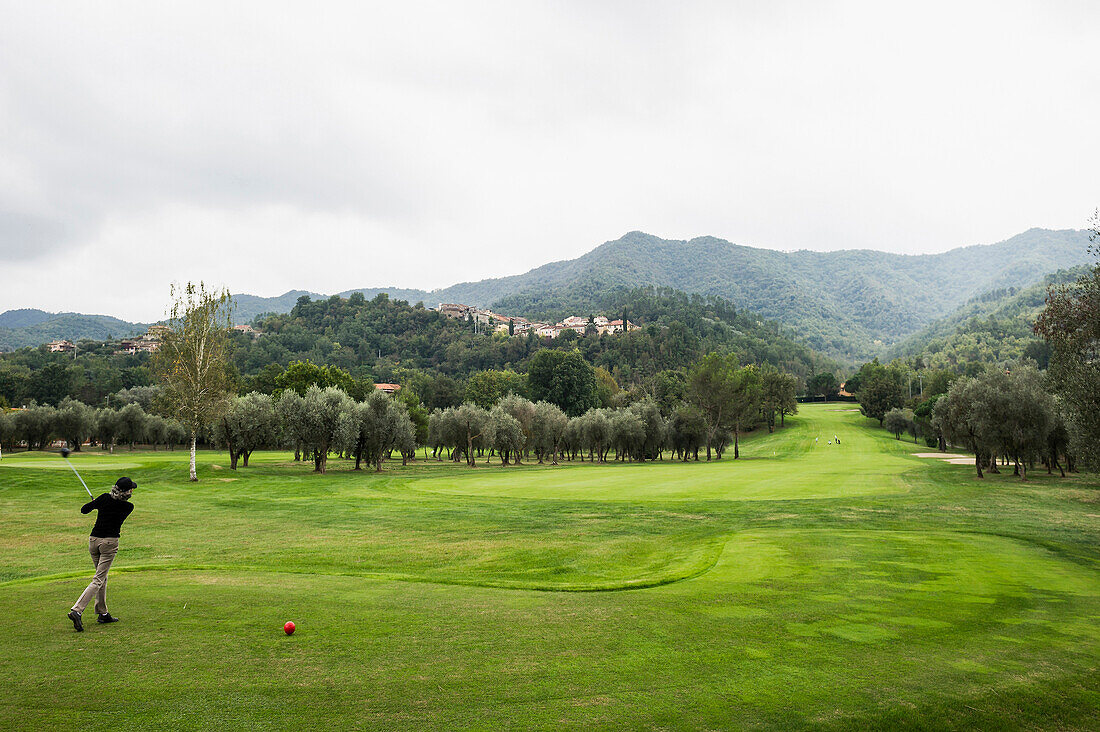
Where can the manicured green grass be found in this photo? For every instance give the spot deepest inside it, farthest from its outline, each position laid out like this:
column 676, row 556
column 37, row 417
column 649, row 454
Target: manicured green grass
column 806, row 585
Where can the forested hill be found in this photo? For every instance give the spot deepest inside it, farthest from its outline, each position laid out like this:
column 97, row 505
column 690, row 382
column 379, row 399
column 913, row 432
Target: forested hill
column 992, row 328
column 383, row 339
column 29, row 327
column 852, row 304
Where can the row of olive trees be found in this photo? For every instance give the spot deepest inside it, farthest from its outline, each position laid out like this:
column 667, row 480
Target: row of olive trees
column 321, row 422
column 1005, row 415
column 75, row 423
column 516, row 429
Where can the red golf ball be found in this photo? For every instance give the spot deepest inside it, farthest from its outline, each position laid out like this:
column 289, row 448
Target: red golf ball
column 289, row 628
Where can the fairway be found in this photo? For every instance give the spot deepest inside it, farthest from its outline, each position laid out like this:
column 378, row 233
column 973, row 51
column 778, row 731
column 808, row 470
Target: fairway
column 806, row 585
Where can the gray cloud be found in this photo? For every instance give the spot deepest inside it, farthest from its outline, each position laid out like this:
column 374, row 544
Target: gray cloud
column 385, row 139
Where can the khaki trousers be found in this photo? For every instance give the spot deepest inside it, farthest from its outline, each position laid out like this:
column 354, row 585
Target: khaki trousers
column 103, row 553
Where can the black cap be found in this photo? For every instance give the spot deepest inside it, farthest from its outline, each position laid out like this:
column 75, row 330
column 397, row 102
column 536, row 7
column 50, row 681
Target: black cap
column 125, row 484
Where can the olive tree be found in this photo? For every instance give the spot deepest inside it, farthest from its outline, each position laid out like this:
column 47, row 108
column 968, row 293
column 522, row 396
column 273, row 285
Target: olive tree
column 7, row 432
column 549, row 429
column 106, row 428
column 896, row 421
column 156, row 430
column 469, row 423
column 131, row 424
column 505, row 434
column 75, row 422
column 251, row 423
column 627, row 435
column 327, row 422
column 290, row 408
column 597, row 434
column 380, row 424
column 36, row 425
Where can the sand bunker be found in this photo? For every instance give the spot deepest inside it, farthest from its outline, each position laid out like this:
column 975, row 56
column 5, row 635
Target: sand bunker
column 944, row 455
column 961, row 461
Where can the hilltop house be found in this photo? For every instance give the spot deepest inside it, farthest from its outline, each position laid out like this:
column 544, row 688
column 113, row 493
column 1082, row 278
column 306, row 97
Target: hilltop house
column 455, row 310
column 521, row 326
column 60, row 346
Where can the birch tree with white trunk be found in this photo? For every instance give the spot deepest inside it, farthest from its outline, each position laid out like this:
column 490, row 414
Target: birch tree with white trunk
column 193, row 358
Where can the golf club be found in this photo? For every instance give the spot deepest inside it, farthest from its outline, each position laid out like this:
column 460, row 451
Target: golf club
column 65, row 454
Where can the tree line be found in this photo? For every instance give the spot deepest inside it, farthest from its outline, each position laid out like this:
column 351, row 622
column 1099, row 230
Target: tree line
column 314, row 414
column 75, row 423
column 1010, row 413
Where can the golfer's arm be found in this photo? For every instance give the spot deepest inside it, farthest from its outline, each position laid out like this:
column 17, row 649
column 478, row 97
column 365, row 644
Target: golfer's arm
column 90, row 505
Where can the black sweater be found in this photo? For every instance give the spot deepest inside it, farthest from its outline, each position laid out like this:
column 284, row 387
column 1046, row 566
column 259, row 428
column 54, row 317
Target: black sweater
column 112, row 513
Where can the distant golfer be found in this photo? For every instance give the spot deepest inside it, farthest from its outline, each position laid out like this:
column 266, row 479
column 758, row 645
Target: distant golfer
column 113, row 509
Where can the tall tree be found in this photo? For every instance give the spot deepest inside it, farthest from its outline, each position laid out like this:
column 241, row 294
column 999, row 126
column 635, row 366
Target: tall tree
column 300, row 375
column 712, row 387
column 880, row 390
column 486, row 388
column 50, row 384
column 193, row 358
column 1071, row 324
column 778, row 395
column 746, row 405
column 824, row 385
column 563, row 378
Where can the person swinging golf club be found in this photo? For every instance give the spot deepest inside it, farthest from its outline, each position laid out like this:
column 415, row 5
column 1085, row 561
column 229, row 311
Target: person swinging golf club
column 113, row 508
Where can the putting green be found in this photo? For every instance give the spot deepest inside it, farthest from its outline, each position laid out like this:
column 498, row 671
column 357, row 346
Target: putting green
column 797, row 463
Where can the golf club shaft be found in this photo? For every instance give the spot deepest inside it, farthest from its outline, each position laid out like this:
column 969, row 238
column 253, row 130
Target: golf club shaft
column 79, row 478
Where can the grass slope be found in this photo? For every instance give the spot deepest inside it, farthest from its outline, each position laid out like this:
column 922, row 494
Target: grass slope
column 807, row 585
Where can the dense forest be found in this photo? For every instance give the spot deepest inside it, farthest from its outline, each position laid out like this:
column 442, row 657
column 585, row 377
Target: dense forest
column 850, row 304
column 380, row 339
column 389, row 341
column 995, row 328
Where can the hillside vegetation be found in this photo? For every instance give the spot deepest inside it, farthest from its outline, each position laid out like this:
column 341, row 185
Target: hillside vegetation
column 993, row 328
column 29, row 327
column 850, row 304
column 377, row 338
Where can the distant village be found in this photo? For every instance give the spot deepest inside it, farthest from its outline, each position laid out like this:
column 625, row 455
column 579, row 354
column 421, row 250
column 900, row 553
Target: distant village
column 491, row 321
column 518, row 326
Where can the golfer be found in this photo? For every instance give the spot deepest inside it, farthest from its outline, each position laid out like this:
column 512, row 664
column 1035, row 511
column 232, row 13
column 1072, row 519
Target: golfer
column 113, row 508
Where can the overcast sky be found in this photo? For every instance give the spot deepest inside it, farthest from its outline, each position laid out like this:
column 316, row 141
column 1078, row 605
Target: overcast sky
column 268, row 147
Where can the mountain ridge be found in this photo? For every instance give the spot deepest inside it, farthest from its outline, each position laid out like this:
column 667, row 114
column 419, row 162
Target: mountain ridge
column 852, row 304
